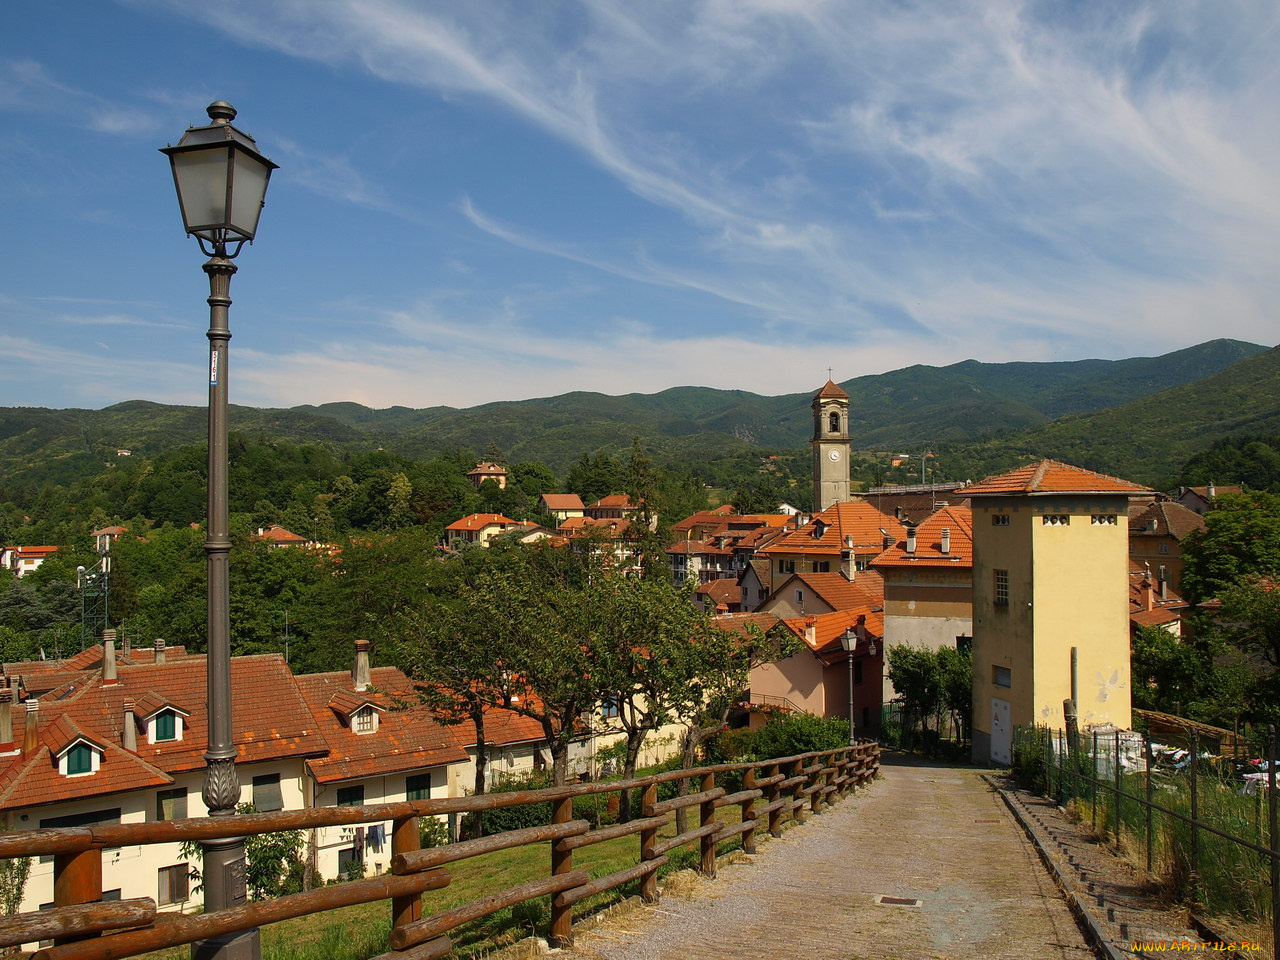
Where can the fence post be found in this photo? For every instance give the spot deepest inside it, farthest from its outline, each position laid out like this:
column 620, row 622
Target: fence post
column 775, row 814
column 405, row 839
column 708, row 808
column 77, row 878
column 1115, row 781
column 1151, row 824
column 1273, row 844
column 1195, row 819
column 748, row 812
column 1093, row 784
column 797, row 807
column 1048, row 763
column 648, row 839
column 561, row 863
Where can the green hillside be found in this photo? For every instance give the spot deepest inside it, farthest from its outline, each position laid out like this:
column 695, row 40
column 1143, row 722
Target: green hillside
column 982, row 413
column 1149, row 439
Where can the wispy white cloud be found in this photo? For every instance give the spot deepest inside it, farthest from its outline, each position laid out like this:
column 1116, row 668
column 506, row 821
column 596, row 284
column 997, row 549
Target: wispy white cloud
column 28, row 86
column 995, row 178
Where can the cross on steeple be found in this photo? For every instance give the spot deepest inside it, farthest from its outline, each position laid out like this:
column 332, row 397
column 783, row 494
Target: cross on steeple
column 828, row 373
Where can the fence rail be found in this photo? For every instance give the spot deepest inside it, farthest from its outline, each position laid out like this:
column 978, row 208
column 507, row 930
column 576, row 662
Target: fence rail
column 1217, row 801
column 85, row 928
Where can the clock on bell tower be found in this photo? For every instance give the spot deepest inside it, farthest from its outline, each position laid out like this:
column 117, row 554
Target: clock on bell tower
column 830, row 447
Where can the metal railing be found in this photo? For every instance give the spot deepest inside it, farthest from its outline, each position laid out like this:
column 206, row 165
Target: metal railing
column 1175, row 805
column 83, row 927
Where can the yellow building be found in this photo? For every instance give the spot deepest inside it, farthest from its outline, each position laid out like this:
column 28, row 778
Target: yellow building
column 1050, row 601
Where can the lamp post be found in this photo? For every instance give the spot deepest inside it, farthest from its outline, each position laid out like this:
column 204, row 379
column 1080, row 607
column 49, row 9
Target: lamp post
column 221, row 181
column 849, row 640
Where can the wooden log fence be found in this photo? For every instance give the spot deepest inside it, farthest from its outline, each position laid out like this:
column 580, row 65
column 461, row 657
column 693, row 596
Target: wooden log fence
column 84, row 927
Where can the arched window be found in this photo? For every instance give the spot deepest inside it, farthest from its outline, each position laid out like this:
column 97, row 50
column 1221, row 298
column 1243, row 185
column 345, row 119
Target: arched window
column 833, row 423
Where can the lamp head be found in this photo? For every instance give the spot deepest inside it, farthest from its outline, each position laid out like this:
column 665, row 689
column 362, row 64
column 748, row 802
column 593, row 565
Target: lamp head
column 221, row 180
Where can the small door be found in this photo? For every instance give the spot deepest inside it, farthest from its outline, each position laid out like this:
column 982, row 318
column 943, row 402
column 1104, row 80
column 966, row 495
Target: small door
column 1001, row 732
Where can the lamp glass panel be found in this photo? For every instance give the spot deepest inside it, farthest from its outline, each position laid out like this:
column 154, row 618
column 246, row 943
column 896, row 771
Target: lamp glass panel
column 248, row 190
column 202, row 187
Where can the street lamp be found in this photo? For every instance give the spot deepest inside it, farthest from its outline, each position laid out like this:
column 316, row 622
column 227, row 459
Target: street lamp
column 221, row 181
column 849, row 640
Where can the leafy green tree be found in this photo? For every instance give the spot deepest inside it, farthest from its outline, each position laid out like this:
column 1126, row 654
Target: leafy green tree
column 915, row 676
column 1241, row 537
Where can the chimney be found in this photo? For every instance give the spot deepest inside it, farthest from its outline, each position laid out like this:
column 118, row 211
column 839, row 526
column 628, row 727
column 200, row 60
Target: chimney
column 946, row 540
column 160, row 656
column 108, row 658
column 810, row 631
column 911, row 539
column 30, row 738
column 360, row 675
column 126, row 647
column 848, row 568
column 1213, row 492
column 1148, row 595
column 886, row 541
column 6, row 719
column 1164, row 583
column 129, row 735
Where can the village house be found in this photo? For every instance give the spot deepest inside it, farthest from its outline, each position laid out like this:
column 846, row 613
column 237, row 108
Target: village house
column 487, row 471
column 1200, row 499
column 278, row 536
column 562, row 506
column 1156, row 534
column 1152, row 603
column 480, row 528
column 1050, row 601
column 23, row 560
column 818, row 545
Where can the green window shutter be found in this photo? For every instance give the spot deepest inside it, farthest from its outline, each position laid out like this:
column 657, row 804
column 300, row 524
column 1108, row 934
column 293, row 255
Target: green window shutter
column 165, row 726
column 80, row 759
column 351, row 796
column 418, row 787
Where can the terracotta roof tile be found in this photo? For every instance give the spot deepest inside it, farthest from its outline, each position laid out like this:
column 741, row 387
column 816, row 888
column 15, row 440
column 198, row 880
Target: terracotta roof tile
column 562, row 501
column 831, row 390
column 407, row 738
column 1052, row 476
column 1168, row 517
column 478, row 521
column 928, row 553
column 828, row 628
column 858, row 520
column 862, row 593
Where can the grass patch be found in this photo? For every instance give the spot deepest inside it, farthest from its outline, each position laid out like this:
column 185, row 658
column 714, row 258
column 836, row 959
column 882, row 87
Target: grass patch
column 355, row 933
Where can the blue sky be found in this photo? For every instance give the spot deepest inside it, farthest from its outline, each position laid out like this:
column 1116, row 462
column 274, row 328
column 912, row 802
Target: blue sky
column 498, row 200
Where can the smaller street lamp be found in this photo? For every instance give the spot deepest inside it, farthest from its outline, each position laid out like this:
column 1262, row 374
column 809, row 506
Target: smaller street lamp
column 849, row 641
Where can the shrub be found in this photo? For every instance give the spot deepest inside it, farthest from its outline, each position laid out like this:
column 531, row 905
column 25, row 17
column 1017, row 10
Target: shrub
column 514, row 818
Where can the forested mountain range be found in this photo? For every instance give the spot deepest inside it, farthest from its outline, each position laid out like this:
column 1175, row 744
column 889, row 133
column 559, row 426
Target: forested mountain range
column 1141, row 417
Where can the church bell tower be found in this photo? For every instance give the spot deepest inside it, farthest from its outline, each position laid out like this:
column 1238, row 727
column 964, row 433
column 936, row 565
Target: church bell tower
column 830, row 447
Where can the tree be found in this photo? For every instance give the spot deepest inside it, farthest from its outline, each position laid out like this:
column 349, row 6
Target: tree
column 13, row 881
column 1241, row 537
column 915, row 675
column 273, row 860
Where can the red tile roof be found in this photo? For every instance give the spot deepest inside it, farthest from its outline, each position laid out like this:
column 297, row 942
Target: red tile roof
column 478, row 521
column 621, row 500
column 928, row 553
column 1165, row 518
column 501, row 728
column 562, row 501
column 860, row 521
column 488, row 469
column 738, row 622
column 831, row 390
column 407, row 738
column 721, row 592
column 278, row 534
column 1052, row 476
column 828, row 628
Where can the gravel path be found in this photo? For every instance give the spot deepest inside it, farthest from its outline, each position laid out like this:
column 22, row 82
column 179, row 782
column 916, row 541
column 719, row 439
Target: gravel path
column 932, row 832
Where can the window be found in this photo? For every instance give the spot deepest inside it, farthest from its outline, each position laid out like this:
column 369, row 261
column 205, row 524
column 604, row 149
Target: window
column 79, row 759
column 266, row 793
column 166, row 728
column 349, row 863
column 1164, row 548
column 822, row 566
column 999, row 519
column 1002, row 676
column 609, row 708
column 351, row 796
column 786, row 566
column 799, row 596
column 1105, row 520
column 1001, row 594
column 1055, row 519
column 365, row 721
column 418, row 787
column 171, row 804
column 857, row 672
column 172, row 884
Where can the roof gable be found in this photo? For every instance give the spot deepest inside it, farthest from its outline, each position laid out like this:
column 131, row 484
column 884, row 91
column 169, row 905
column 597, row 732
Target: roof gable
column 1052, row 476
